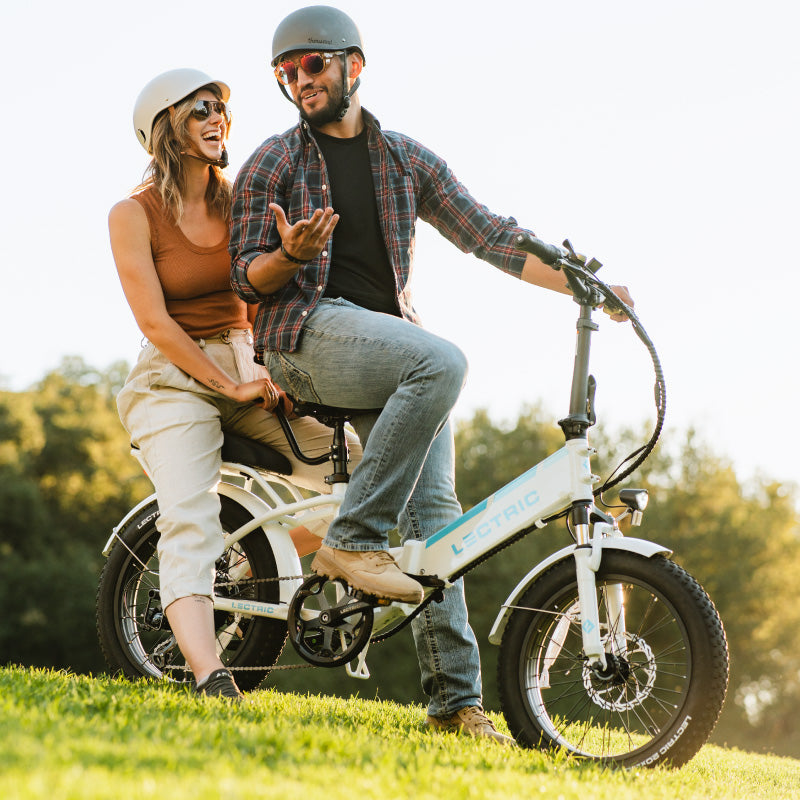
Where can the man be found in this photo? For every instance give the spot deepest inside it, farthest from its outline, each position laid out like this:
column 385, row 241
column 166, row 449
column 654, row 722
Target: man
column 322, row 239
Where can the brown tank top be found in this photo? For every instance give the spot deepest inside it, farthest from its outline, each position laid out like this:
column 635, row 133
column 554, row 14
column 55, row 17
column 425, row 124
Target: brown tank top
column 196, row 280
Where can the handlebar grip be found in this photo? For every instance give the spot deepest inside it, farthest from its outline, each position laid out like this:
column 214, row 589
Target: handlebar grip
column 611, row 305
column 549, row 254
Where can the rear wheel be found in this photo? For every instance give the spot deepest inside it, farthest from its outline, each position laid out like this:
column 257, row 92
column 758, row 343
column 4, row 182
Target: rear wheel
column 661, row 693
column 134, row 632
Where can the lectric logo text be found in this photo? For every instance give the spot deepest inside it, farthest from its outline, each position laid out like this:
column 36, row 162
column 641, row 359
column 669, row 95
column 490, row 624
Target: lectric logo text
column 496, row 522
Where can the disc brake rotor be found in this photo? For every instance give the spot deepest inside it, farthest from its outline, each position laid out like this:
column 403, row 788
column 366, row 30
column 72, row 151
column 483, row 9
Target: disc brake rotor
column 630, row 679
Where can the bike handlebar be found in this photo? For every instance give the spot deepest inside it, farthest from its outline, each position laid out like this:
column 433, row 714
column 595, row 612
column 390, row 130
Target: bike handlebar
column 580, row 276
column 549, row 254
column 574, row 269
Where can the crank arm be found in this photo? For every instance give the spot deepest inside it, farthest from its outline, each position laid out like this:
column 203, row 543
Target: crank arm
column 333, row 616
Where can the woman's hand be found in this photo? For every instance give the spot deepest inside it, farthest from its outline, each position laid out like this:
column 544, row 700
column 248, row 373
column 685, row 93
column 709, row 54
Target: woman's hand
column 262, row 393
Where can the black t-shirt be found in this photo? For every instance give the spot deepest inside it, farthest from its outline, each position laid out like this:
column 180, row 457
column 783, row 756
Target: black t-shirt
column 360, row 269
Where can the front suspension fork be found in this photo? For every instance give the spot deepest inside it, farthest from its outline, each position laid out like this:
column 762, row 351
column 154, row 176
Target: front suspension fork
column 588, row 555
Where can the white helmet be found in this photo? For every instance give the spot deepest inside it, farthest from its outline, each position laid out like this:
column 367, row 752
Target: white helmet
column 164, row 91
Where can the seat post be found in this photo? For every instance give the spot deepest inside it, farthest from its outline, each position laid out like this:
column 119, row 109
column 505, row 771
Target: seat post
column 331, row 417
column 339, row 453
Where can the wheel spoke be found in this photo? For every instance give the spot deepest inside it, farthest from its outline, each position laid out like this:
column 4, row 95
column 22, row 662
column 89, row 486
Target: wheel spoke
column 625, row 711
column 132, row 625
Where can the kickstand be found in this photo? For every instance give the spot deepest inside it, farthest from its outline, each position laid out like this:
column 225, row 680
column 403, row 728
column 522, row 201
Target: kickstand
column 360, row 670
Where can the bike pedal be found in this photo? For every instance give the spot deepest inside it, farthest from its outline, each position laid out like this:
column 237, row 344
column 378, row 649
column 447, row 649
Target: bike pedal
column 371, row 598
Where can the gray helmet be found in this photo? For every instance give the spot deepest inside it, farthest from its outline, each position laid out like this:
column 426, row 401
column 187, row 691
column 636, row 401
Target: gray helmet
column 314, row 28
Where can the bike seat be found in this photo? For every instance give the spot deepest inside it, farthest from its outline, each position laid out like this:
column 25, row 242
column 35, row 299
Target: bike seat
column 328, row 415
column 254, row 454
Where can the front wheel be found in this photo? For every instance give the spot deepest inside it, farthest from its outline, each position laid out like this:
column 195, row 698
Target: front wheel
column 662, row 691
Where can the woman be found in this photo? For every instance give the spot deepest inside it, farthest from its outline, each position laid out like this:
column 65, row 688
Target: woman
column 196, row 374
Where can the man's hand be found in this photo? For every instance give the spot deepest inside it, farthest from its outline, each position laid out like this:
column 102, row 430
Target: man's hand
column 305, row 239
column 622, row 293
column 302, row 242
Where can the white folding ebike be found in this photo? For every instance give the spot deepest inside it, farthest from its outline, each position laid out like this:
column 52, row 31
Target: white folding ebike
column 608, row 649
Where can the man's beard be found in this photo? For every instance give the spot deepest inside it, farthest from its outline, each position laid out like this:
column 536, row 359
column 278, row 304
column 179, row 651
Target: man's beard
column 329, row 112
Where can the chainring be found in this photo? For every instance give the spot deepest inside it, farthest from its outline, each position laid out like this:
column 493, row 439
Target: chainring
column 328, row 625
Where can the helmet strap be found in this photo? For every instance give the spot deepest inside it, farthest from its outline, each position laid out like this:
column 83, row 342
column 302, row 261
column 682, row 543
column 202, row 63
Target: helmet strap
column 285, row 93
column 221, row 162
column 346, row 95
column 346, row 99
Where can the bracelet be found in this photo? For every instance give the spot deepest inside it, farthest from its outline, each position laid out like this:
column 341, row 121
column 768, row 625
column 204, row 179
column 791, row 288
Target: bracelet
column 292, row 258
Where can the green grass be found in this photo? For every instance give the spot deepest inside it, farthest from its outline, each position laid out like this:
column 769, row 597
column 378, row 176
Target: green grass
column 64, row 736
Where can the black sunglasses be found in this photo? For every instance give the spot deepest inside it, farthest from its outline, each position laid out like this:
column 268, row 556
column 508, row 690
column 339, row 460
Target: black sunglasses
column 311, row 64
column 203, row 109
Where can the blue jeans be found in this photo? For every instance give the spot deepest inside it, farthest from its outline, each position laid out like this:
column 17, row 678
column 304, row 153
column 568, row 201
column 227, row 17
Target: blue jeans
column 354, row 358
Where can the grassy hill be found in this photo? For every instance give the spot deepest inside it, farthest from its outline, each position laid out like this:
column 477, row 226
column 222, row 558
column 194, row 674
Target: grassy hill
column 68, row 737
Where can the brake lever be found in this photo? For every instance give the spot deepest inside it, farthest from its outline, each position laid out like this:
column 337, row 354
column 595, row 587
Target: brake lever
column 578, row 258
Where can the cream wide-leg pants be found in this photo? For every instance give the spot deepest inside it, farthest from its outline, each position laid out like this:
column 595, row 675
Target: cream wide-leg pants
column 177, row 423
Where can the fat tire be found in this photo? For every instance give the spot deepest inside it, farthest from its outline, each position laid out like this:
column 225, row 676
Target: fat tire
column 128, row 640
column 668, row 722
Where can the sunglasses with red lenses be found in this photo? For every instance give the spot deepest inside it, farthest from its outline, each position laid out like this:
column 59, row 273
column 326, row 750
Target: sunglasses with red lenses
column 310, row 63
column 203, row 109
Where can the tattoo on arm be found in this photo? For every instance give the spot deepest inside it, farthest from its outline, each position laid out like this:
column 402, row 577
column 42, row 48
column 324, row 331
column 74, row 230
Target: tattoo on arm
column 214, row 383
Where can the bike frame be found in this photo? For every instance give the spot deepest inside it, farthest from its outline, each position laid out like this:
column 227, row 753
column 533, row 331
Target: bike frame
column 542, row 491
column 562, row 482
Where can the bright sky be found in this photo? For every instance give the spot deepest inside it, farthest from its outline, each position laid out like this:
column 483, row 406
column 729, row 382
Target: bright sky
column 662, row 138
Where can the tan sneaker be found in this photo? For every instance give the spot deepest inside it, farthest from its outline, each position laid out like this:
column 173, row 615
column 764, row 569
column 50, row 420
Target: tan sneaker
column 374, row 572
column 470, row 720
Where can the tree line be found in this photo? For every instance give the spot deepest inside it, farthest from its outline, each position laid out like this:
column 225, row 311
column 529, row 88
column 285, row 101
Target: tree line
column 66, row 478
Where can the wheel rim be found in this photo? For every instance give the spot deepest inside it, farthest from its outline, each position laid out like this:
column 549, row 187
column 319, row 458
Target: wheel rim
column 620, row 713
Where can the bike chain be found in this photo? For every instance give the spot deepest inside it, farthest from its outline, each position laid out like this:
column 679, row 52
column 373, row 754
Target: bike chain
column 405, row 622
column 248, row 582
column 376, row 640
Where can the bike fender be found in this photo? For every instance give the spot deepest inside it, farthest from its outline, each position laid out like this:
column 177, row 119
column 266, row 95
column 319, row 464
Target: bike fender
column 286, row 558
column 124, row 521
column 641, row 547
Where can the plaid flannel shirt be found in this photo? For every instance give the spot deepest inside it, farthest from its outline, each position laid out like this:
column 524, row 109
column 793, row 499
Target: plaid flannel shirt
column 411, row 182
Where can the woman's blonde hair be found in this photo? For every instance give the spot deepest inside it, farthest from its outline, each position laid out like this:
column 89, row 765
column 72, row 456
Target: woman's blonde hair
column 165, row 171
